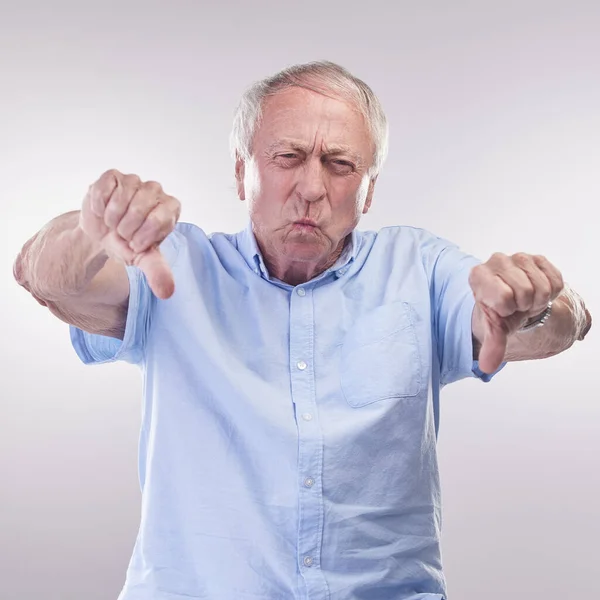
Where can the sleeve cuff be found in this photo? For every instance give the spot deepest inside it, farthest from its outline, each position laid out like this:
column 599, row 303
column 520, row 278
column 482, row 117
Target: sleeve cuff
column 485, row 377
column 465, row 365
column 100, row 349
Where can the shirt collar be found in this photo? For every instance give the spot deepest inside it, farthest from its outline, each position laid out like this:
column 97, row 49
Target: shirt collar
column 248, row 248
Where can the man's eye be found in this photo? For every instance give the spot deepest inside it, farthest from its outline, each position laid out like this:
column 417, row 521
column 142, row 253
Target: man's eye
column 289, row 155
column 343, row 165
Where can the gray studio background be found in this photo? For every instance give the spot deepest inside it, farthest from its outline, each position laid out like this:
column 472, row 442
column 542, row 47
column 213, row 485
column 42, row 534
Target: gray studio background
column 495, row 126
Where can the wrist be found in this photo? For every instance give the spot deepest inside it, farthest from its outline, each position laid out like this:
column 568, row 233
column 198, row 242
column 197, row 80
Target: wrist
column 582, row 319
column 538, row 320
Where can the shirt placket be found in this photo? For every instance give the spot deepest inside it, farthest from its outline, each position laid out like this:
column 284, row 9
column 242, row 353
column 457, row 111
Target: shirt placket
column 310, row 446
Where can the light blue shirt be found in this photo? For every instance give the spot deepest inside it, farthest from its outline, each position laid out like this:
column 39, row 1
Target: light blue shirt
column 288, row 436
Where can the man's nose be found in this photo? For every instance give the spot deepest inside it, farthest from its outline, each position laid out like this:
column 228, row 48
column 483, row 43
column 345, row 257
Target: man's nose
column 311, row 182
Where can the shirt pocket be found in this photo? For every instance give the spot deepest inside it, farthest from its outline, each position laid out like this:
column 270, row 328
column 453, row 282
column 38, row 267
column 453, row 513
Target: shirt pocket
column 380, row 357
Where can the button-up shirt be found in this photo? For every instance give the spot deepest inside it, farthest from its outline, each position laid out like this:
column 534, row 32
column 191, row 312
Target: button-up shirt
column 288, row 433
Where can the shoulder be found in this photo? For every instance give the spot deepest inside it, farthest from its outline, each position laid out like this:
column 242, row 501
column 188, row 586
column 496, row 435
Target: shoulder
column 188, row 243
column 190, row 233
column 405, row 244
column 405, row 238
column 186, row 236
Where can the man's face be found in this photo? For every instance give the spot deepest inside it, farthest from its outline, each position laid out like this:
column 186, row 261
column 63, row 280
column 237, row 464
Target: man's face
column 307, row 181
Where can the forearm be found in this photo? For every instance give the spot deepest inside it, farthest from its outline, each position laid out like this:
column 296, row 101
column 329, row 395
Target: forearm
column 60, row 260
column 570, row 321
column 565, row 326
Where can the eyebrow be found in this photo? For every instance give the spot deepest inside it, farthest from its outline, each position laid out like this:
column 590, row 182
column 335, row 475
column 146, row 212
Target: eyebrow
column 334, row 149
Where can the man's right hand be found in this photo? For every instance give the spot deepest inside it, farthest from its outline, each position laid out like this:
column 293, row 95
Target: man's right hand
column 129, row 218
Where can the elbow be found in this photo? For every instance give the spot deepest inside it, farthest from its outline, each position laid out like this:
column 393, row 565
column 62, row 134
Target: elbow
column 21, row 265
column 18, row 270
column 21, row 272
column 22, row 275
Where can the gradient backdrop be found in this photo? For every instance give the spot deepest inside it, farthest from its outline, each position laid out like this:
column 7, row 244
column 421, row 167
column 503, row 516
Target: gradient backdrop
column 495, row 129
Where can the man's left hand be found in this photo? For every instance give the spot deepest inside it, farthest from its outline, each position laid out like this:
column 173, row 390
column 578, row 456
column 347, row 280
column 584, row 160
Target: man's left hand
column 508, row 291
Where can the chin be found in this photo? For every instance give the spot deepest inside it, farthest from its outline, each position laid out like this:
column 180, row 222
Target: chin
column 304, row 251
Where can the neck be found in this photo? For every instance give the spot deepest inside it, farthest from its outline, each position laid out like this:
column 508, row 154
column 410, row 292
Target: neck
column 296, row 272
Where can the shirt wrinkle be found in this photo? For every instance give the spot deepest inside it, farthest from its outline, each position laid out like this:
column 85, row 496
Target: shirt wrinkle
column 288, row 438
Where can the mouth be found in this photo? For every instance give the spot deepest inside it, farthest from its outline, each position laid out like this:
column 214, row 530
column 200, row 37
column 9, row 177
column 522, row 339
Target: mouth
column 305, row 223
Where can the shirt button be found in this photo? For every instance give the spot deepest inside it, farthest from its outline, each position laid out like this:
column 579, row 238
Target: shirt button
column 309, row 482
column 307, row 417
column 301, row 365
column 301, row 292
column 308, row 561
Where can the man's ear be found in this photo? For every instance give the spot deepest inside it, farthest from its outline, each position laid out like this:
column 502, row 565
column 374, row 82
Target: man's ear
column 369, row 199
column 240, row 171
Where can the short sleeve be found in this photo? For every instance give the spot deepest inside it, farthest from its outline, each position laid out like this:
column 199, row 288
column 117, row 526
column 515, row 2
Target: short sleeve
column 99, row 349
column 452, row 310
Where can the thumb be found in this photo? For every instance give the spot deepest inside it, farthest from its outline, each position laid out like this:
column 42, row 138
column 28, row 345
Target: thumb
column 160, row 277
column 493, row 348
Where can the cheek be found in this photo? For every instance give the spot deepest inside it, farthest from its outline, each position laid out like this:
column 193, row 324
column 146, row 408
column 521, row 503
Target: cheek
column 268, row 189
column 351, row 198
column 264, row 183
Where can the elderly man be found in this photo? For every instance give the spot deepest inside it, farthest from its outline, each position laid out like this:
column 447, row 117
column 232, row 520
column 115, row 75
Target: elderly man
column 292, row 371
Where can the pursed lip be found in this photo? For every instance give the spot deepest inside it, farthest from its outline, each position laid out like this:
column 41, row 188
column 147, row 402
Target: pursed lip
column 309, row 222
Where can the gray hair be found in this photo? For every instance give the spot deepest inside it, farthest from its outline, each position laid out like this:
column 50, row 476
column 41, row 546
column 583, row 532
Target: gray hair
column 324, row 77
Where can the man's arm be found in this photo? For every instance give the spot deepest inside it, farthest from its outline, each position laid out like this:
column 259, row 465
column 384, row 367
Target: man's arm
column 75, row 265
column 71, row 275
column 570, row 321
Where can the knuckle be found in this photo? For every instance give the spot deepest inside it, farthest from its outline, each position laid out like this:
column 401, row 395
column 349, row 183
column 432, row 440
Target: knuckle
column 111, row 173
column 528, row 292
column 475, row 272
column 104, row 186
column 521, row 258
column 472, row 278
column 107, row 179
column 110, row 212
column 152, row 186
column 506, row 297
column 176, row 210
column 137, row 211
column 171, row 207
column 122, row 231
column 497, row 261
column 153, row 223
column 545, row 290
column 131, row 180
column 113, row 207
